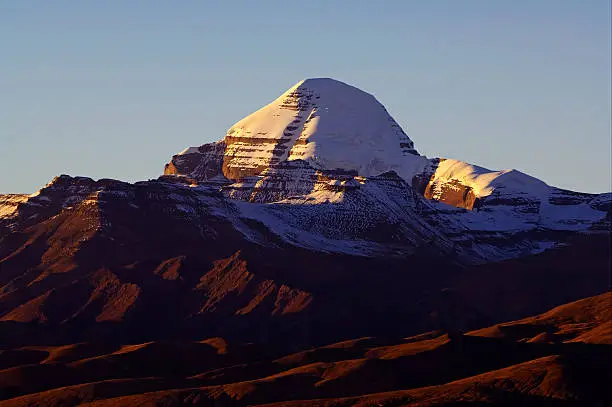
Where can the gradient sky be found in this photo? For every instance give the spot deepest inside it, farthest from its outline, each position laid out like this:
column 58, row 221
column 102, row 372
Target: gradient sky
column 111, row 89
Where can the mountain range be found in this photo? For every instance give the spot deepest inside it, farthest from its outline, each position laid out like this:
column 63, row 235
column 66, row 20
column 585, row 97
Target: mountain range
column 314, row 221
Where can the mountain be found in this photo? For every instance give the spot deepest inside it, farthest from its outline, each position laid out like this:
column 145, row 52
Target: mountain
column 325, row 142
column 324, row 122
column 314, row 221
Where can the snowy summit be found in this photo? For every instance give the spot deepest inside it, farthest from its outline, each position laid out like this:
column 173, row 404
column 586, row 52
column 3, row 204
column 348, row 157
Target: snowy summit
column 320, row 128
column 322, row 121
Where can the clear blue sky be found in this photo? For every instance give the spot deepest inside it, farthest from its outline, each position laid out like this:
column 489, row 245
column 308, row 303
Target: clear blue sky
column 114, row 88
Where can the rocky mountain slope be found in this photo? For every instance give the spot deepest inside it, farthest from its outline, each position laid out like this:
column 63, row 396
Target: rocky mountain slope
column 105, row 258
column 9, row 204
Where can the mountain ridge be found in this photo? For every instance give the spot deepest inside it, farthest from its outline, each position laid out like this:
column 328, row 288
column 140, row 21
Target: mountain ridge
column 352, row 188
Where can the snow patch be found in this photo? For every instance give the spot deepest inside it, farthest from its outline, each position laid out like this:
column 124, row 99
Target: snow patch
column 190, row 150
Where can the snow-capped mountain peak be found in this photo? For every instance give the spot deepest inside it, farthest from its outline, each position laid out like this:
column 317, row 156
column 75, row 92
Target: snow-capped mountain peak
column 322, row 121
column 325, row 142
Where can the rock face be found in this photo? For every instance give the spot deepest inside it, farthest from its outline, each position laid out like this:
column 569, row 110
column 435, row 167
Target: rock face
column 203, row 163
column 9, row 204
